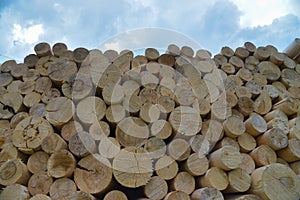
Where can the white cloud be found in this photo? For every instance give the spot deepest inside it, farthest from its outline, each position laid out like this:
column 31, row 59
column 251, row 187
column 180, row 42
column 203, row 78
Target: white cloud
column 261, row 12
column 28, row 35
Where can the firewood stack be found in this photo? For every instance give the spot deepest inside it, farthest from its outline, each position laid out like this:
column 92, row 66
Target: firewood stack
column 86, row 124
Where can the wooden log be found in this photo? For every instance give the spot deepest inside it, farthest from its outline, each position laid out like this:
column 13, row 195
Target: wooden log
column 53, row 142
column 151, row 54
column 185, row 120
column 42, row 49
column 5, row 79
column 69, row 129
column 130, row 87
column 166, row 168
column 226, row 158
column 123, row 61
column 59, row 111
column 109, row 147
column 31, row 99
column 37, row 110
column 248, row 163
column 255, row 124
column 246, row 142
column 13, row 86
column 161, row 129
column 227, row 141
column 67, row 55
column 179, row 149
column 214, row 177
column 243, row 91
column 6, row 66
column 111, row 54
column 173, row 50
column 245, row 74
column 242, row 197
column 263, row 155
column 148, row 80
column 261, row 53
column 37, row 162
column 99, row 130
column 39, row 183
column 245, row 105
column 90, row 109
column 241, row 52
column 156, row 147
column 18, row 71
column 17, row 118
column 80, row 54
column 148, row 95
column 234, row 127
column 138, row 61
column 30, row 75
column 275, row 181
column 212, row 130
column 290, row 77
column 288, row 63
column 292, row 152
column 186, row 51
column 219, row 60
column 15, row 191
column 82, row 144
column 239, row 181
column 115, row 113
column 156, row 188
column 166, row 104
column 94, row 174
column 132, row 167
column 228, row 68
column 43, row 84
column 40, row 197
column 253, row 87
column 295, row 166
column 227, row 51
column 59, row 48
column 30, row 132
column 132, row 131
column 61, row 164
column 177, row 195
column 236, row 61
column 260, row 79
column 50, row 94
column 250, row 47
column 62, row 188
column 10, row 152
column 132, row 104
column 60, row 70
column 14, row 171
column 199, row 144
column 112, row 94
column 288, row 105
column 272, row 91
column 274, row 138
column 293, row 49
column 269, row 70
column 166, row 60
column 11, row 103
column 149, row 113
column 183, row 182
column 115, row 194
column 207, row 193
column 78, row 86
column 196, row 165
column 294, row 125
column 30, row 60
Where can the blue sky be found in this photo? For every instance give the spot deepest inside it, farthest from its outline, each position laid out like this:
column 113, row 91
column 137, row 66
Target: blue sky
column 142, row 23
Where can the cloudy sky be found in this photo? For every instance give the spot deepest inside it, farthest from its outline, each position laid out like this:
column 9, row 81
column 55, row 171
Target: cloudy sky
column 121, row 24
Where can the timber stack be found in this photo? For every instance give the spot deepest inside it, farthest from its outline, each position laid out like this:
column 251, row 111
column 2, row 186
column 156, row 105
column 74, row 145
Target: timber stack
column 183, row 124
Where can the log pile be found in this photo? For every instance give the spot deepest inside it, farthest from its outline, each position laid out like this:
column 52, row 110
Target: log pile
column 87, row 124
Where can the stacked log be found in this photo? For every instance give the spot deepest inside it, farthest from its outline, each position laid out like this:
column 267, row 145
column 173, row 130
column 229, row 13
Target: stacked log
column 87, row 124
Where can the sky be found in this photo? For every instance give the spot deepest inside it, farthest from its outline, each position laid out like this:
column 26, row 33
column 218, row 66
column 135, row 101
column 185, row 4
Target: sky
column 138, row 24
